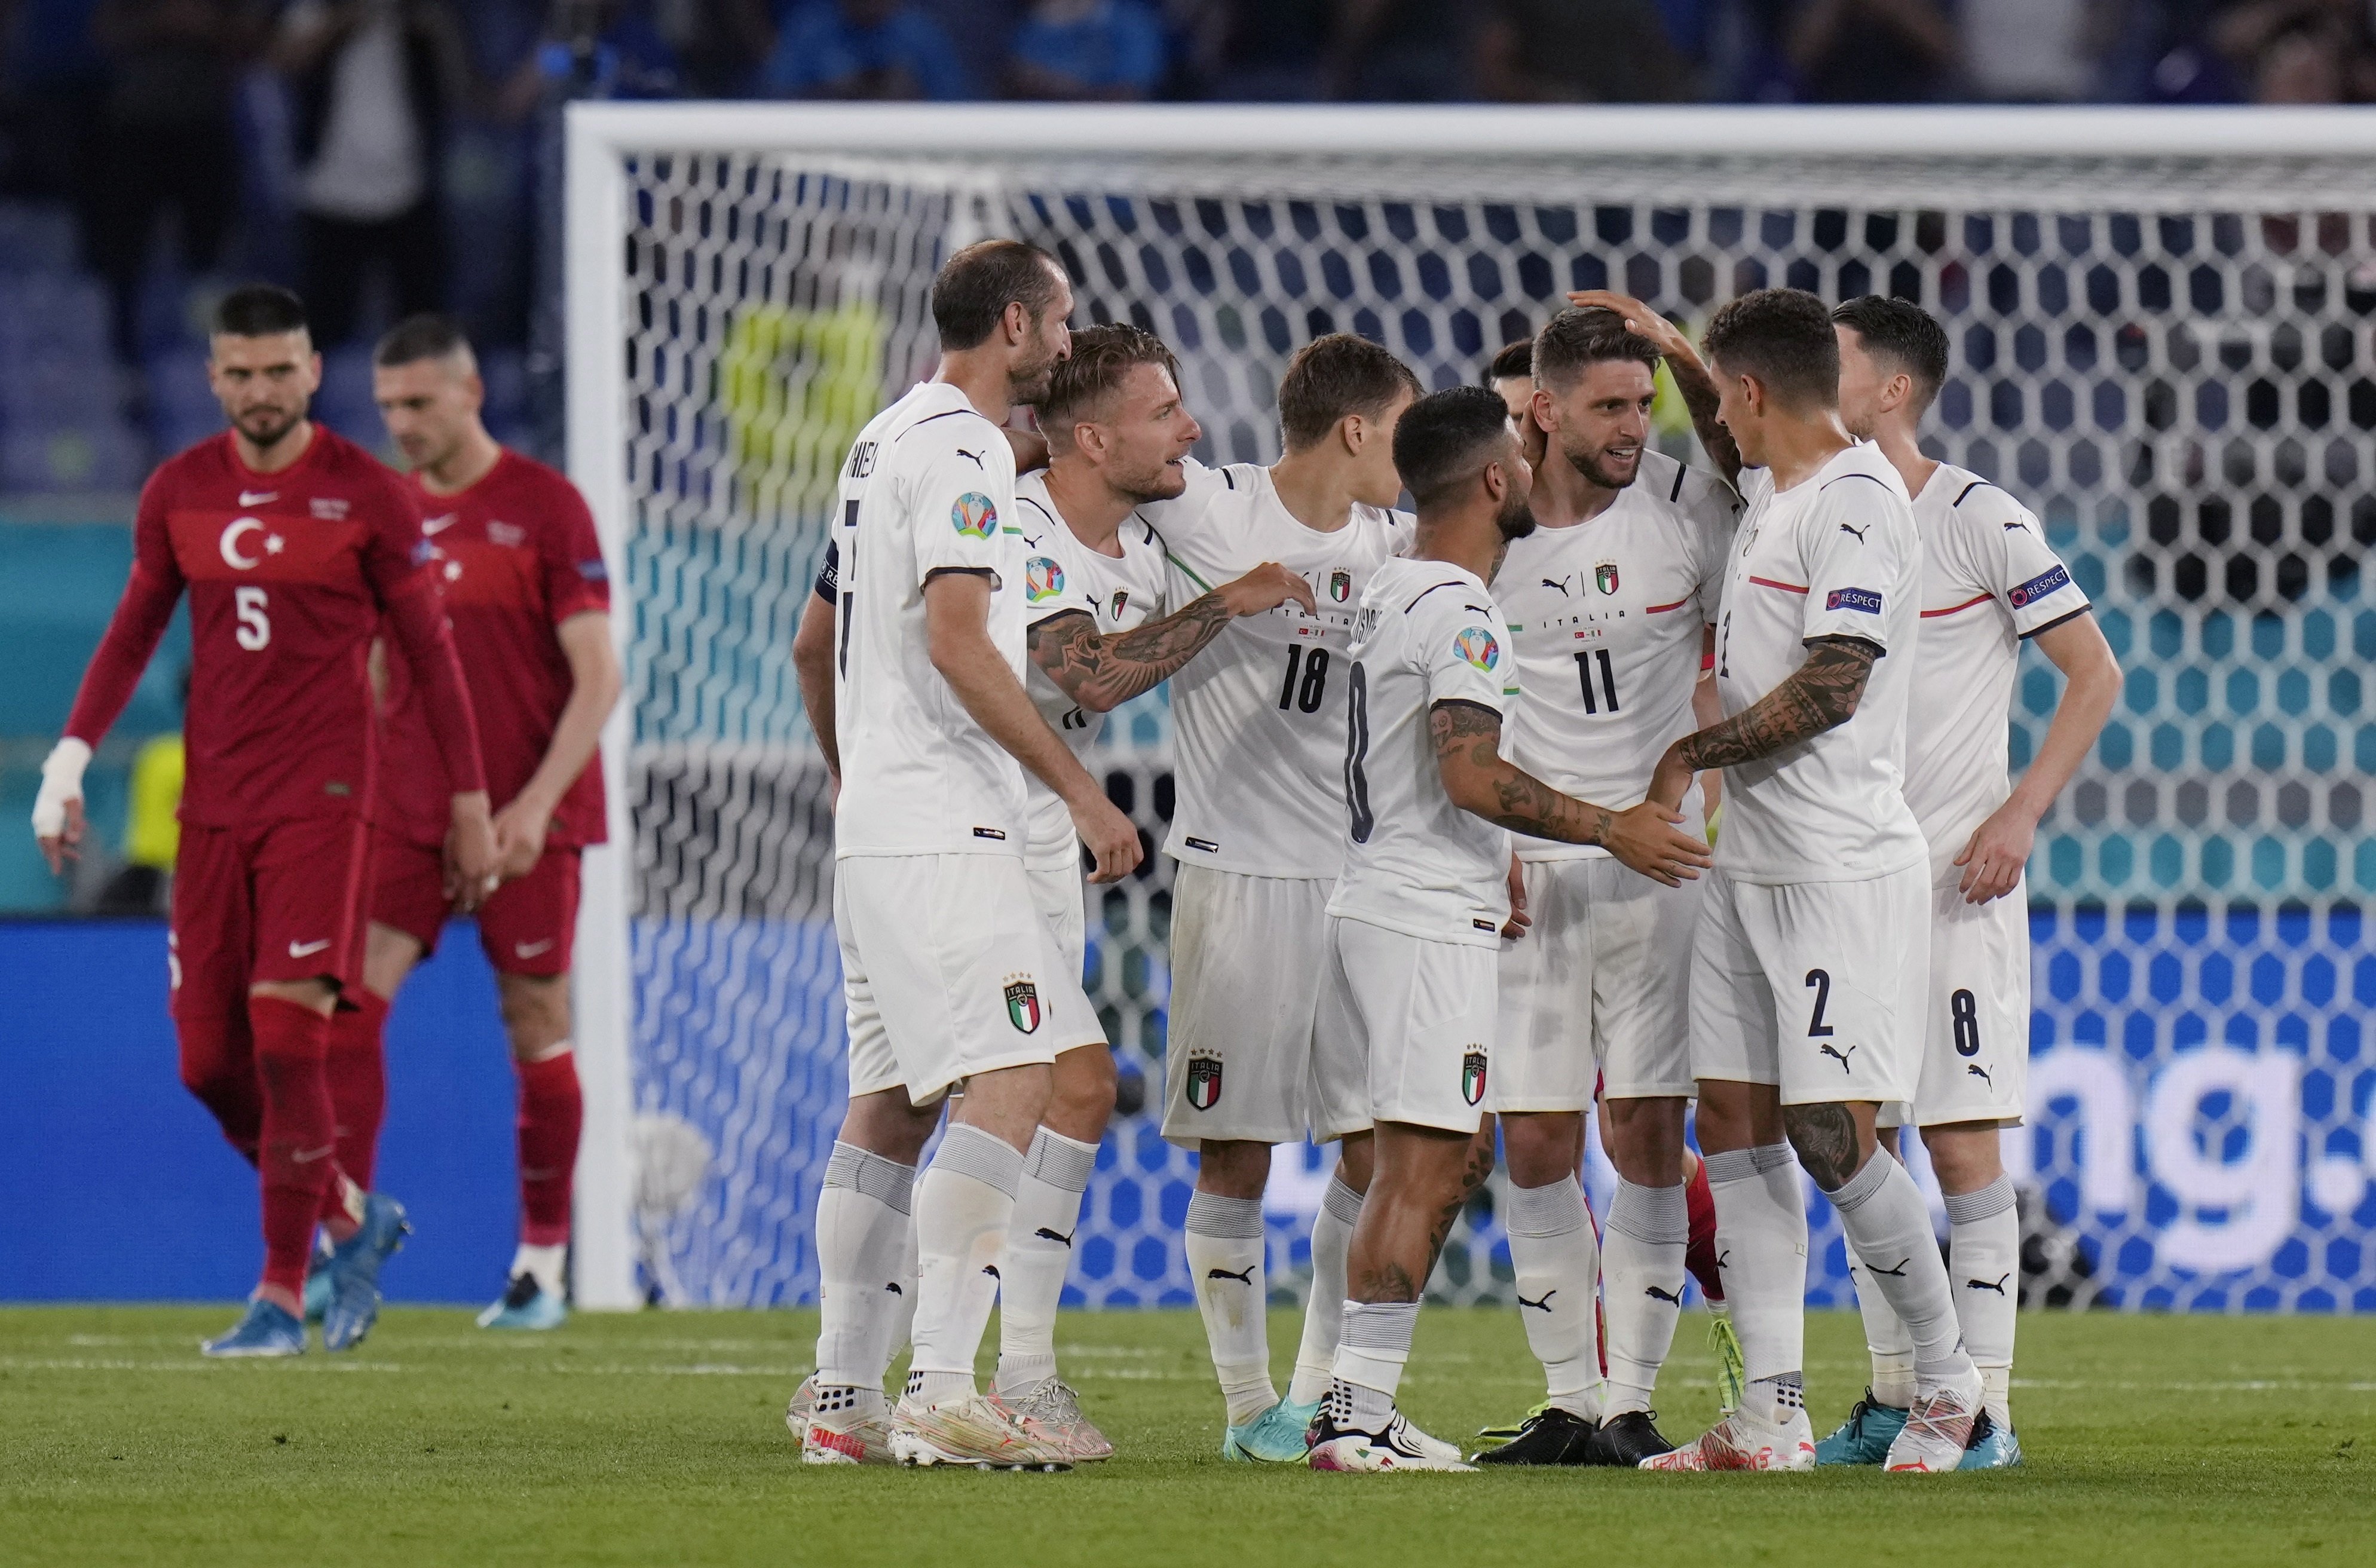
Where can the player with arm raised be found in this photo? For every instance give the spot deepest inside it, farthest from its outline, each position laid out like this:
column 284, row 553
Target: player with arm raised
column 948, row 970
column 1808, row 966
column 295, row 547
column 1258, row 725
column 1610, row 602
column 513, row 550
column 1990, row 582
column 1416, row 921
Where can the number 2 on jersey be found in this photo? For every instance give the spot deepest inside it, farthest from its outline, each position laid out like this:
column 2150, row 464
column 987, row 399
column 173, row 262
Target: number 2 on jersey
column 1583, row 663
column 1305, row 695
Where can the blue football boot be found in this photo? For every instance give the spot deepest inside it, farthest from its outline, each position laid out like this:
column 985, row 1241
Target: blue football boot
column 2000, row 1450
column 263, row 1330
column 317, row 1282
column 526, row 1304
column 354, row 1269
column 1864, row 1438
column 1274, row 1437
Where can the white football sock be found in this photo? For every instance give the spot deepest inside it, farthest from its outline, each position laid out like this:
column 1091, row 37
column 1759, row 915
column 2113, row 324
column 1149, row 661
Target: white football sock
column 1885, row 1339
column 1323, row 1310
column 1984, row 1255
column 1557, row 1260
column 1039, row 1254
column 963, row 1206
column 862, row 1237
column 1373, row 1348
column 1225, row 1260
column 1761, row 1243
column 1888, row 1228
column 898, row 1321
column 1642, row 1283
column 549, row 1266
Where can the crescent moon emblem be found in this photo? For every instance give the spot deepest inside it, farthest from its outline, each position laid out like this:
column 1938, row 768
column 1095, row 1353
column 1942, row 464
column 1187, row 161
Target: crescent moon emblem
column 231, row 538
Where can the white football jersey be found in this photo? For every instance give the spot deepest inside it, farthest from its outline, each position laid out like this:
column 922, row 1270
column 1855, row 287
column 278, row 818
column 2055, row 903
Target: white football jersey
column 1836, row 555
column 1428, row 632
column 1608, row 618
column 1063, row 576
column 1258, row 718
column 929, row 487
column 1989, row 581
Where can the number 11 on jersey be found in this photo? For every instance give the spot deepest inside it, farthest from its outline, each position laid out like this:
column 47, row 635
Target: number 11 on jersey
column 1583, row 664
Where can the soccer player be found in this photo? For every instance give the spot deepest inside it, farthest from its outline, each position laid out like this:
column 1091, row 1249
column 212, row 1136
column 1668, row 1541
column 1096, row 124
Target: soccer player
column 1510, row 376
column 1259, row 735
column 949, row 971
column 513, row 549
column 295, row 547
column 1990, row 582
column 1808, row 965
column 1610, row 600
column 1416, row 920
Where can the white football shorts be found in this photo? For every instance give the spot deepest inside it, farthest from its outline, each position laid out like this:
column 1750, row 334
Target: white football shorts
column 1816, row 987
column 1056, row 891
column 1242, row 1060
column 947, row 970
column 1976, row 1044
column 1597, row 988
column 1421, row 1016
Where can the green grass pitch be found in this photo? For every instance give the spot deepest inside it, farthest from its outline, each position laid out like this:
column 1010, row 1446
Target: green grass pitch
column 659, row 1438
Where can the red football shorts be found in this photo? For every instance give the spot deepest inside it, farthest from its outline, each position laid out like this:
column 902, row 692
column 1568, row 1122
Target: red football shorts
column 528, row 928
column 283, row 901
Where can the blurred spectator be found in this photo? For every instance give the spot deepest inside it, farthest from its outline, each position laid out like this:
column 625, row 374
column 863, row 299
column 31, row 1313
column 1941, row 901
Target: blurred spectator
column 52, row 76
column 592, row 48
column 1871, row 51
column 1086, row 49
column 719, row 44
column 165, row 142
column 1268, row 51
column 882, row 49
column 2034, row 50
column 373, row 84
column 2300, row 50
column 1579, row 51
column 1399, row 51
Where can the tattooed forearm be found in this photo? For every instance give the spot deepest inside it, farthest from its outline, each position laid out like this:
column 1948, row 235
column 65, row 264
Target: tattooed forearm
column 1825, row 1138
column 1479, row 779
column 1819, row 696
column 1700, row 398
column 1103, row 671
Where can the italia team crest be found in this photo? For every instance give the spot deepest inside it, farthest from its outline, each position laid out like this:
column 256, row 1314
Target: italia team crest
column 1121, row 597
column 1042, row 580
column 1203, row 1080
column 1604, row 576
column 1022, row 1002
column 1340, row 585
column 1477, row 645
column 1472, row 1076
column 974, row 516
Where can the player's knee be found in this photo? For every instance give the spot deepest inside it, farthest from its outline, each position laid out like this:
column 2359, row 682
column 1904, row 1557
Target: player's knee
column 1081, row 1098
column 536, row 1013
column 1541, row 1149
column 889, row 1125
column 1826, row 1139
column 1232, row 1169
column 1965, row 1159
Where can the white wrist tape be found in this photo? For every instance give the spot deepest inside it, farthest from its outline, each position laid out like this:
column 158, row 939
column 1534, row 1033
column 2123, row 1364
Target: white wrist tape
column 61, row 782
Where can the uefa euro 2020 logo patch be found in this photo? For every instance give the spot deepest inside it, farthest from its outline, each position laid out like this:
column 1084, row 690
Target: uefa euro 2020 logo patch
column 1042, row 580
column 1477, row 645
column 973, row 515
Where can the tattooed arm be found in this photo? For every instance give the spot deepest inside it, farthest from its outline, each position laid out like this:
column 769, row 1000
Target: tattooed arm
column 1480, row 780
column 1101, row 673
column 1821, row 694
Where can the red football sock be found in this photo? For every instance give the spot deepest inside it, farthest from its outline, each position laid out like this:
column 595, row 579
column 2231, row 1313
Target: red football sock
column 358, row 1075
column 219, row 1067
column 550, row 1113
column 297, row 1158
column 1699, row 1252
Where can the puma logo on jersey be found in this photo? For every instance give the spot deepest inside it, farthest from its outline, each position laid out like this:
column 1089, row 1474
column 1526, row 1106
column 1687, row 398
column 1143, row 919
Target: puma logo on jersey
column 1672, row 1298
column 2003, row 1280
column 307, row 949
column 1859, row 533
column 1898, row 1273
column 1977, row 1071
column 1841, row 1056
column 973, row 457
column 1047, row 1235
column 991, row 1269
column 1542, row 1306
column 2016, row 528
column 893, row 1287
column 1244, row 1276
column 1031, row 541
column 1561, row 584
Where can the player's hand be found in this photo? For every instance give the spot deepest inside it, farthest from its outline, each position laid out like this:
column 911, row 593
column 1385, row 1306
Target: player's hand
column 470, row 856
column 520, row 829
column 1992, row 861
column 1640, row 320
column 1267, row 587
column 1110, row 837
column 58, row 823
column 1646, row 840
column 1515, row 926
column 1669, row 782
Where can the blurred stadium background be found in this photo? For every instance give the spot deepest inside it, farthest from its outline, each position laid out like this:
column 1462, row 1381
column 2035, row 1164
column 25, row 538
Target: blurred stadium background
column 2170, row 358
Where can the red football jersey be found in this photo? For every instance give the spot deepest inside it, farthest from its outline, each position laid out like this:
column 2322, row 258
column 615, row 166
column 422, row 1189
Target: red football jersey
column 516, row 556
column 288, row 573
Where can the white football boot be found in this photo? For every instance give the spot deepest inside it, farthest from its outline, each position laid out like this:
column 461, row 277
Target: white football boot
column 1941, row 1426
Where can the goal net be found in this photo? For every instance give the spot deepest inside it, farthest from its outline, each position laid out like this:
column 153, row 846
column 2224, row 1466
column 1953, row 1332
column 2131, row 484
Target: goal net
column 2161, row 332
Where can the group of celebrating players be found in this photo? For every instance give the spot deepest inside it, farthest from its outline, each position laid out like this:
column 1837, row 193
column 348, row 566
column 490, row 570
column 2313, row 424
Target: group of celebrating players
column 1443, row 871
column 397, row 690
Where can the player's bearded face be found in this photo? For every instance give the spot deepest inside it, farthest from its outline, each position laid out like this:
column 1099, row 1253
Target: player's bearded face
column 1605, row 422
column 1517, row 517
column 1035, row 362
column 1860, row 382
column 264, row 382
column 1151, row 433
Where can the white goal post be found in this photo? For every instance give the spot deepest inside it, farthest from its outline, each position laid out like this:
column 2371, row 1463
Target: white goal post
column 2208, row 228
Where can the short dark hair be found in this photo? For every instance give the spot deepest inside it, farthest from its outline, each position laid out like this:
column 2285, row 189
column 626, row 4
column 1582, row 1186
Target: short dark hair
column 428, row 336
column 257, row 309
column 1905, row 335
column 1439, row 444
column 1576, row 339
column 974, row 287
column 1515, row 361
column 1784, row 337
column 1332, row 376
column 1102, row 357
